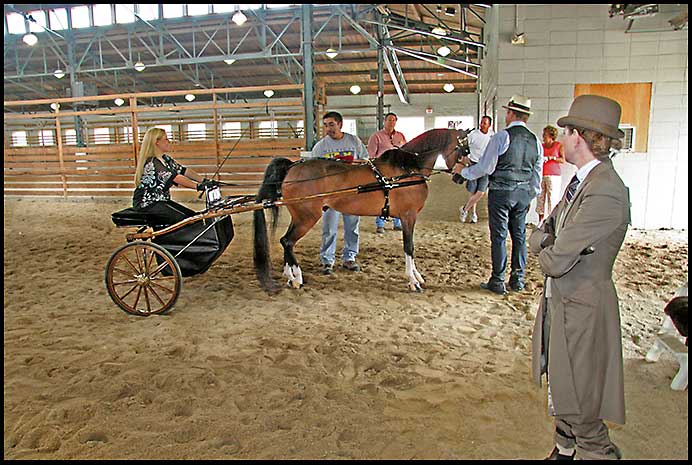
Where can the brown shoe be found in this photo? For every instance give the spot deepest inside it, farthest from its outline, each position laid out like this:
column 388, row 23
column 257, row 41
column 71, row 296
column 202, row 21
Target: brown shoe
column 351, row 266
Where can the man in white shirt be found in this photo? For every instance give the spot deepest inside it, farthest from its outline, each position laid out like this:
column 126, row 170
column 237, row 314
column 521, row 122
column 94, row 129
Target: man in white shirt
column 338, row 145
column 478, row 141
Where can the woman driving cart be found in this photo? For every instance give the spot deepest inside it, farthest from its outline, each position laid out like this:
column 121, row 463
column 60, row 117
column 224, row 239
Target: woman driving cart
column 155, row 174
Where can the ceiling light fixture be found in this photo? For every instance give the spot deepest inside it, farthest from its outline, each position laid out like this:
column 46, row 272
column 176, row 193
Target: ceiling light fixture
column 439, row 31
column 230, row 61
column 268, row 93
column 119, row 101
column 449, row 87
column 59, row 73
column 331, row 53
column 443, row 51
column 355, row 89
column 30, row 39
column 139, row 66
column 55, row 106
column 239, row 18
column 189, row 97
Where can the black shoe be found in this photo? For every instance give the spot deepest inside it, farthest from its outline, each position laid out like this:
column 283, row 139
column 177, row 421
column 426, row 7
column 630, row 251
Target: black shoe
column 496, row 288
column 556, row 455
column 517, row 287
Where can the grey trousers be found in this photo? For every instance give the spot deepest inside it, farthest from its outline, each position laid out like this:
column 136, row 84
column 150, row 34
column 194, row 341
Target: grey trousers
column 590, row 438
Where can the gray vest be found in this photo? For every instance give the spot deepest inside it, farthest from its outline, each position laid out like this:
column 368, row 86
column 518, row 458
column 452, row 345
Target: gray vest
column 515, row 167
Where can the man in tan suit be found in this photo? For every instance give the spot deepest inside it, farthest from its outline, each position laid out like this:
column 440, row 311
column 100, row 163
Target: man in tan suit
column 576, row 337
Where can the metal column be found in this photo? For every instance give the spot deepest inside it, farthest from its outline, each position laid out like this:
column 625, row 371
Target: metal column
column 380, row 79
column 308, row 78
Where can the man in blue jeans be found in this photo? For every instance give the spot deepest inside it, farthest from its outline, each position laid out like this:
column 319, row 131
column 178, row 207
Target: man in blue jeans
column 514, row 161
column 339, row 145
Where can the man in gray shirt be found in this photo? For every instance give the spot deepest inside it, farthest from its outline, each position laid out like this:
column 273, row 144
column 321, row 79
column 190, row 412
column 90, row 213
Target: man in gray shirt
column 338, row 145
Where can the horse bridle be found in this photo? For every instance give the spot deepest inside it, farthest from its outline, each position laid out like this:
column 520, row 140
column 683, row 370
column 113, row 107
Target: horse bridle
column 462, row 147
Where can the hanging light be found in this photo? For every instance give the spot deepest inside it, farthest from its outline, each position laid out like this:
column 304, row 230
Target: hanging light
column 355, row 89
column 444, row 51
column 449, row 87
column 59, row 73
column 189, row 97
column 139, row 66
column 239, row 18
column 30, row 39
column 230, row 61
column 55, row 106
column 331, row 53
column 119, row 101
column 268, row 93
column 439, row 31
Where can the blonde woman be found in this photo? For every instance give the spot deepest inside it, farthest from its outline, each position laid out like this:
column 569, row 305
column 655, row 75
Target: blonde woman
column 155, row 174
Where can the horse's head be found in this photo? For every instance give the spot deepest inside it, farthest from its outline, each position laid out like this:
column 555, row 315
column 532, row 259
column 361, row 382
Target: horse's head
column 450, row 144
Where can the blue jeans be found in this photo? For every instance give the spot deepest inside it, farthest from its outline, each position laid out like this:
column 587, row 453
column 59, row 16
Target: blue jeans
column 379, row 222
column 507, row 211
column 330, row 226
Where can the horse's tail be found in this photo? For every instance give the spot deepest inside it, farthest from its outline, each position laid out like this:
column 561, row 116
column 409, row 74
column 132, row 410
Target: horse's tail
column 270, row 190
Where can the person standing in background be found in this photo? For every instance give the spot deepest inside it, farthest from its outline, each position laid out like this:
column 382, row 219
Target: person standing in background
column 338, row 145
column 551, row 184
column 478, row 141
column 386, row 139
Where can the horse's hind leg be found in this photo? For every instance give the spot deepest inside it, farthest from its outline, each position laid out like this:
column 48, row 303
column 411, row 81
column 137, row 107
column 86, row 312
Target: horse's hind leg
column 416, row 282
column 295, row 231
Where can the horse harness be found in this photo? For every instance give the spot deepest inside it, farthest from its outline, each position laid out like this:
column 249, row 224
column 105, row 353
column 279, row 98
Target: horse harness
column 387, row 184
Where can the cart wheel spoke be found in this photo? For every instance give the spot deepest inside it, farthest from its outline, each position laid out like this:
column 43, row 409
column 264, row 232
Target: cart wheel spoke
column 129, row 281
column 160, row 287
column 155, row 294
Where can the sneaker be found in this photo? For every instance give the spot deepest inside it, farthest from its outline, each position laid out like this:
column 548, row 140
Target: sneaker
column 379, row 230
column 397, row 228
column 496, row 288
column 516, row 287
column 351, row 265
column 556, row 455
column 327, row 268
column 462, row 214
column 474, row 218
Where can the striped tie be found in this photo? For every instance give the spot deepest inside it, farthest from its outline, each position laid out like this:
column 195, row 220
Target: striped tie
column 572, row 188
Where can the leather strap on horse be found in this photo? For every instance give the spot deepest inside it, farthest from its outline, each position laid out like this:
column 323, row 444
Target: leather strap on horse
column 387, row 184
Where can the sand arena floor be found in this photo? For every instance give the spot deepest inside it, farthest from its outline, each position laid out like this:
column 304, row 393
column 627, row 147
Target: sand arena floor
column 352, row 366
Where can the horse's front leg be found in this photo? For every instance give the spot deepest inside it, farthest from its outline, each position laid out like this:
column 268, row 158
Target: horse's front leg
column 415, row 280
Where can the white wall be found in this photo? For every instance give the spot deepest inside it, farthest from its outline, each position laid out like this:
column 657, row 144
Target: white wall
column 570, row 44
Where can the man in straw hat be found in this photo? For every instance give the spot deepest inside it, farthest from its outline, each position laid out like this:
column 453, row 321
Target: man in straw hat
column 576, row 337
column 514, row 161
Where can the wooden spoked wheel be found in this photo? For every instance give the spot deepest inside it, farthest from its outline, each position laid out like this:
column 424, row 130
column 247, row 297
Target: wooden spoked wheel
column 143, row 279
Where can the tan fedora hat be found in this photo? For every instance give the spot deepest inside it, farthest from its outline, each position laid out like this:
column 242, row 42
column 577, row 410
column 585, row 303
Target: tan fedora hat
column 519, row 103
column 594, row 112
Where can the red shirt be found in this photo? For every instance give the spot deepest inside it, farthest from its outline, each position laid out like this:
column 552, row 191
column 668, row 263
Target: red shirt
column 551, row 167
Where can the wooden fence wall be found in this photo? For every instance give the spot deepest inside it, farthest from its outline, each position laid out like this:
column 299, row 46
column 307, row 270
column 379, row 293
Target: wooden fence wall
column 106, row 167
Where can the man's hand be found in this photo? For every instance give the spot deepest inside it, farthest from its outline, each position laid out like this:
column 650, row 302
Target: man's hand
column 206, row 184
column 456, row 169
column 458, row 178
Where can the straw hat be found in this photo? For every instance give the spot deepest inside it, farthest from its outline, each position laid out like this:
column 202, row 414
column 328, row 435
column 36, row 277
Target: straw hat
column 519, row 103
column 594, row 112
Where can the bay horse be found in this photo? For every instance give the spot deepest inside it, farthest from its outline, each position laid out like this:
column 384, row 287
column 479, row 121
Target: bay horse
column 410, row 165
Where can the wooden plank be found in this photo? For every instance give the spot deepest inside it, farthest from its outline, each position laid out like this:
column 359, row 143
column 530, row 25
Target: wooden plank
column 635, row 100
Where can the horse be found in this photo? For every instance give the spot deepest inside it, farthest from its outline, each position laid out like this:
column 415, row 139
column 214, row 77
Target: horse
column 300, row 184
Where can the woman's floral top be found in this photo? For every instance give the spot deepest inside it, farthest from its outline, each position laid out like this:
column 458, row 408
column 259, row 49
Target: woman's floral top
column 156, row 181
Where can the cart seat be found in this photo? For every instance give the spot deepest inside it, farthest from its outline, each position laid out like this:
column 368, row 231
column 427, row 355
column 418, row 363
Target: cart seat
column 131, row 217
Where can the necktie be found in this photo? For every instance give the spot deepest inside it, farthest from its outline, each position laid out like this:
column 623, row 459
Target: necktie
column 572, row 188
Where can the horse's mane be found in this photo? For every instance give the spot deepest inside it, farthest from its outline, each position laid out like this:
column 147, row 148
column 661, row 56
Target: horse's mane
column 402, row 159
column 412, row 155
